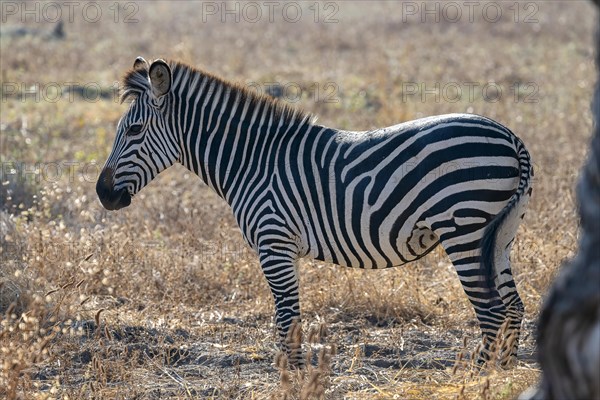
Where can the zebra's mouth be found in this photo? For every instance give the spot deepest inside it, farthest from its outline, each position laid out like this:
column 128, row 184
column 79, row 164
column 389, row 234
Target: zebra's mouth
column 110, row 198
column 115, row 200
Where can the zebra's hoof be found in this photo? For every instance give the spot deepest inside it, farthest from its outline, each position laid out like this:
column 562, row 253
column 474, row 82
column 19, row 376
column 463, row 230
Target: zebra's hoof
column 294, row 361
column 508, row 362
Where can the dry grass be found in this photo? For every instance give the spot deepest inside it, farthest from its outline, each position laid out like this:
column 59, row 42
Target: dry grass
column 164, row 300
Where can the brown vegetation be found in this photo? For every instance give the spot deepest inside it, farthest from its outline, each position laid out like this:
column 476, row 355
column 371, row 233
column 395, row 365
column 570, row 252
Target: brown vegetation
column 164, row 300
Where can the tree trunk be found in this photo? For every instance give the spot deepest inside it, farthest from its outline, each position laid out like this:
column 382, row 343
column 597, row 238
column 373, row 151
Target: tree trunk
column 569, row 325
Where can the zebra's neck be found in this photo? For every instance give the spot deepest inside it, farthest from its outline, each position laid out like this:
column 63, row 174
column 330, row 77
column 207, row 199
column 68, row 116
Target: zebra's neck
column 228, row 134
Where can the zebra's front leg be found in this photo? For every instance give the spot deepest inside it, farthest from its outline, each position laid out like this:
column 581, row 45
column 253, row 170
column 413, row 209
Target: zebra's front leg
column 280, row 269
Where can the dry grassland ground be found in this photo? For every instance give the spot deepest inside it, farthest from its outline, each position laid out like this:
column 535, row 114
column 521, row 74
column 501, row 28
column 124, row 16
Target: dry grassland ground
column 164, row 300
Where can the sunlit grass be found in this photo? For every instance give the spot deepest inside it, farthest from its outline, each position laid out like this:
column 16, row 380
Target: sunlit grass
column 164, row 299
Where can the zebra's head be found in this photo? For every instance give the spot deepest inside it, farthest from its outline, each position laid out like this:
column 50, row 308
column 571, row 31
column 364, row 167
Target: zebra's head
column 145, row 143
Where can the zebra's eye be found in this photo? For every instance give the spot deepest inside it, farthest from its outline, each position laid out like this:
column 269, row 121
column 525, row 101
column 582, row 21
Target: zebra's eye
column 135, row 129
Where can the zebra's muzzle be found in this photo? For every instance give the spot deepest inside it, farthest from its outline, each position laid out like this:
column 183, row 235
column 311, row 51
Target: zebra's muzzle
column 111, row 199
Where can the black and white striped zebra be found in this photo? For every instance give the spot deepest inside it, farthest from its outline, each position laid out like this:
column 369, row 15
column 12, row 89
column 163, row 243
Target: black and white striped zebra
column 373, row 199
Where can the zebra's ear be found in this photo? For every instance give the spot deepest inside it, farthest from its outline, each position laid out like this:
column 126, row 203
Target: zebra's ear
column 160, row 78
column 140, row 63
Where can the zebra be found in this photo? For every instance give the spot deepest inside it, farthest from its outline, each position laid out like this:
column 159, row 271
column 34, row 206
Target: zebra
column 369, row 199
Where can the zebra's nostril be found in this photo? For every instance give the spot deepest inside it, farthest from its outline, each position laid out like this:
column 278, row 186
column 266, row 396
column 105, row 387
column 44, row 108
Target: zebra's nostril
column 104, row 186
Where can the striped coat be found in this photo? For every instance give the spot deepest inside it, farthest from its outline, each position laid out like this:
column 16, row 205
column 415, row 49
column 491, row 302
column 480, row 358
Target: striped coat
column 373, row 199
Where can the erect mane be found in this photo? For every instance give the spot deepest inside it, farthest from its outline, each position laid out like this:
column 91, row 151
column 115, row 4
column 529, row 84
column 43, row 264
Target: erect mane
column 135, row 83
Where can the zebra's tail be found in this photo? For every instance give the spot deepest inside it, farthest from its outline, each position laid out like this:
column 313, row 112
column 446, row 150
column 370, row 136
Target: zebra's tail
column 490, row 236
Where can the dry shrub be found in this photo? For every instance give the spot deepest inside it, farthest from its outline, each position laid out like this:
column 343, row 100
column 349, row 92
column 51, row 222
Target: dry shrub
column 172, row 272
column 30, row 335
column 310, row 382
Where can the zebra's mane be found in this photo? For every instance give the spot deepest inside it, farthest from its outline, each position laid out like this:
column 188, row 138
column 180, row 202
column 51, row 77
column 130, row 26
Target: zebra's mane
column 136, row 82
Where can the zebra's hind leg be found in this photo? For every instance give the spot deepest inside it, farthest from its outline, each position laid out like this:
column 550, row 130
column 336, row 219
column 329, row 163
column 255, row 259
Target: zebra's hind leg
column 462, row 245
column 280, row 269
column 508, row 337
column 507, row 289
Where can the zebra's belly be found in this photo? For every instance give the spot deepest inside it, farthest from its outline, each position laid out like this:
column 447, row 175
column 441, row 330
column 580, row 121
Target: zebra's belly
column 364, row 251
